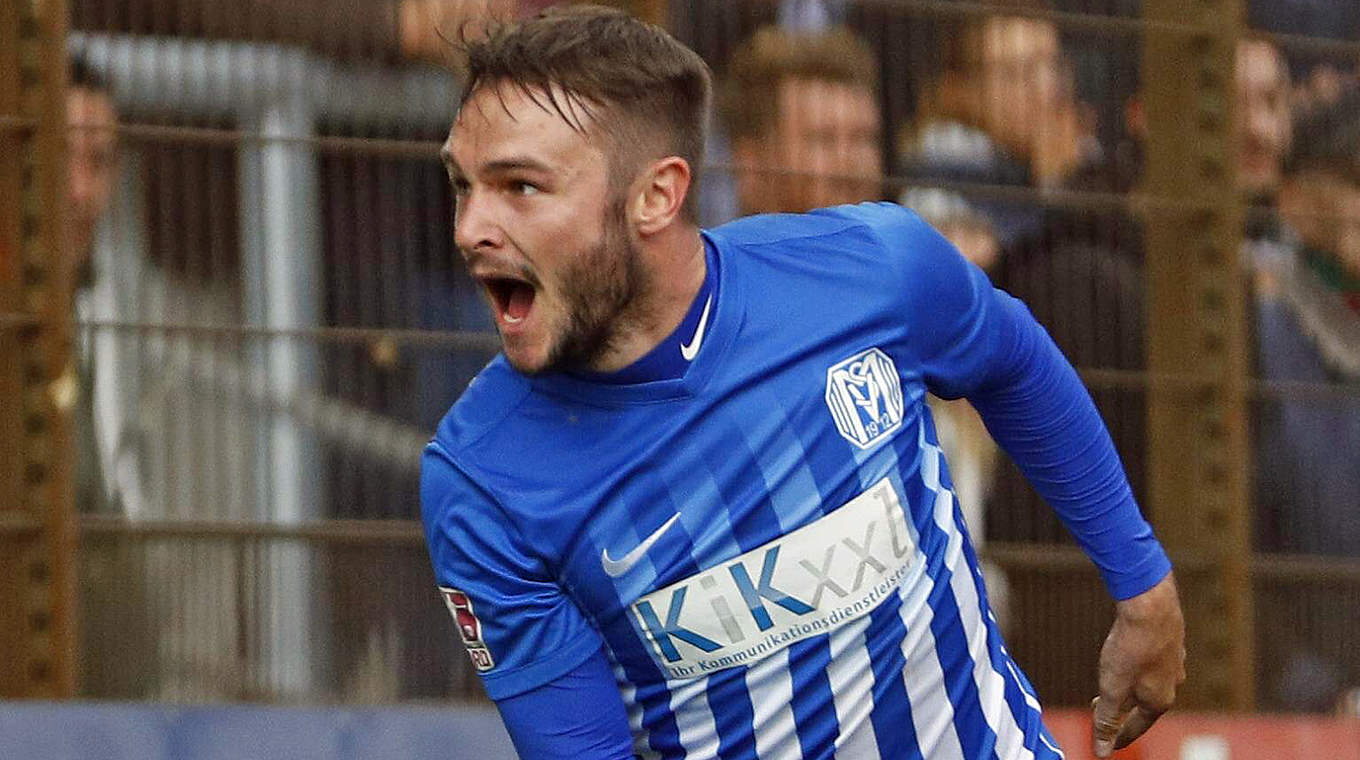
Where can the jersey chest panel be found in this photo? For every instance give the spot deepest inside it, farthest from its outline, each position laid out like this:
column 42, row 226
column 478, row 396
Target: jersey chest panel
column 755, row 514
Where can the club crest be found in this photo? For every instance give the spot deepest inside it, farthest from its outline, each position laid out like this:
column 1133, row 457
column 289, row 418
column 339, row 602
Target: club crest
column 864, row 394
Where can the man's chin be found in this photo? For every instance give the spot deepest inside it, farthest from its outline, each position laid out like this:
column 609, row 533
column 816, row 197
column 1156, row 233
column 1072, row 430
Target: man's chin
column 525, row 357
column 525, row 363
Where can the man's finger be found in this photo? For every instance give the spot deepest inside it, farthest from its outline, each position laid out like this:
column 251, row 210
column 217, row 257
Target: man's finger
column 1137, row 722
column 1107, row 719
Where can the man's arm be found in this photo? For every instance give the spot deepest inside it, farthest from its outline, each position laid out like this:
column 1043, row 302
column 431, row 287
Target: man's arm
column 579, row 715
column 978, row 342
column 539, row 658
column 1035, row 406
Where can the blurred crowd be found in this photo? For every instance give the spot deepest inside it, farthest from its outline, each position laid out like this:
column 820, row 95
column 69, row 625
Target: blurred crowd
column 1002, row 124
column 983, row 124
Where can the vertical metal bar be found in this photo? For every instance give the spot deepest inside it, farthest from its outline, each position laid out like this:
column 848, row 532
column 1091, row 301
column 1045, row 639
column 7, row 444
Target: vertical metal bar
column 1197, row 447
column 39, row 589
column 242, row 590
column 12, row 137
column 281, row 263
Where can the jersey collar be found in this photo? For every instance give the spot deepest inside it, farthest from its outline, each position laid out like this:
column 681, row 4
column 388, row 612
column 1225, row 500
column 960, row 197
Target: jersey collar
column 664, row 373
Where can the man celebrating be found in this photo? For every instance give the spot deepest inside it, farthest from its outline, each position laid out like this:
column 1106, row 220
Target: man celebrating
column 696, row 508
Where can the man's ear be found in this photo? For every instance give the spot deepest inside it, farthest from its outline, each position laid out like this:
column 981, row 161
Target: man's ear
column 660, row 195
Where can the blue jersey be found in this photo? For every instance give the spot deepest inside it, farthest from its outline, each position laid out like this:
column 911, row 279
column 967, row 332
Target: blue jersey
column 767, row 548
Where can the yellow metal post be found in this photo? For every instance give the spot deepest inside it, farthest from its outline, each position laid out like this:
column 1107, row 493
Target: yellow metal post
column 37, row 527
column 1198, row 448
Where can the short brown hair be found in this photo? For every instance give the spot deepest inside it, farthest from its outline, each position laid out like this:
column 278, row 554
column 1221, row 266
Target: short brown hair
column 772, row 55
column 628, row 76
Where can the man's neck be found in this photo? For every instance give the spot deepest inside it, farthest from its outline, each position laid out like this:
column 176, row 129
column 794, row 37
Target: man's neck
column 674, row 269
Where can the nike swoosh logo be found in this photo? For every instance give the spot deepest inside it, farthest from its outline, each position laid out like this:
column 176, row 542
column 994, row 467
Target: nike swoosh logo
column 616, row 567
column 692, row 350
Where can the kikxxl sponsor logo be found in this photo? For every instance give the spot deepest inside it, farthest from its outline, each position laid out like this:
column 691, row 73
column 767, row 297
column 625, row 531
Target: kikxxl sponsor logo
column 806, row 583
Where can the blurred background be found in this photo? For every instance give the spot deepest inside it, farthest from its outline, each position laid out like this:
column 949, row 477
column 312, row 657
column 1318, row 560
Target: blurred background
column 231, row 314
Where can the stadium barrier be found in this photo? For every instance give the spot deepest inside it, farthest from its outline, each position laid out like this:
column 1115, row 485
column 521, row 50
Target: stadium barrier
column 275, row 272
column 1208, row 736
column 127, row 731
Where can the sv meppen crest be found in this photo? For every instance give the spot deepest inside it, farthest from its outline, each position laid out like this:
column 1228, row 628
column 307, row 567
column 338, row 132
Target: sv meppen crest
column 864, row 394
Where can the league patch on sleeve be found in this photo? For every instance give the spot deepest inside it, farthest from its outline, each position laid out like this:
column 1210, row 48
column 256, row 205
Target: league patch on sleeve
column 469, row 628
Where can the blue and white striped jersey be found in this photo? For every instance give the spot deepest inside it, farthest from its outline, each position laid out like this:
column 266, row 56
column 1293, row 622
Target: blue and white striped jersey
column 767, row 547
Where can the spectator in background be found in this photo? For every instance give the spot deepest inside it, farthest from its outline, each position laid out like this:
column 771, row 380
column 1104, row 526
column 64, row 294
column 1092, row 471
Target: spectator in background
column 91, row 159
column 1299, row 243
column 803, row 121
column 1263, row 137
column 1264, row 130
column 1307, row 322
column 1002, row 112
column 115, row 632
column 718, row 202
column 92, row 152
column 897, row 35
column 1320, row 76
column 1308, row 329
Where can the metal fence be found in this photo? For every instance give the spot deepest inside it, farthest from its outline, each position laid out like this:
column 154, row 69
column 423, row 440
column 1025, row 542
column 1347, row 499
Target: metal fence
column 273, row 319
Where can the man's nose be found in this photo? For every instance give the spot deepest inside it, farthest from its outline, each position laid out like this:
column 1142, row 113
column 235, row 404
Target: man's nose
column 475, row 225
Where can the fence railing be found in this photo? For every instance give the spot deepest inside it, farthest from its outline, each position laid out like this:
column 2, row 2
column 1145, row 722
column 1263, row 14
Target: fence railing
column 274, row 317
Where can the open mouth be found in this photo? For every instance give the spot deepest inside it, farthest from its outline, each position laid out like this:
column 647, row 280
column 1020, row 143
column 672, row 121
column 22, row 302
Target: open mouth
column 512, row 298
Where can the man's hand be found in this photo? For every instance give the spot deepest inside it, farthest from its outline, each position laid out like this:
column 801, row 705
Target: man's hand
column 1141, row 664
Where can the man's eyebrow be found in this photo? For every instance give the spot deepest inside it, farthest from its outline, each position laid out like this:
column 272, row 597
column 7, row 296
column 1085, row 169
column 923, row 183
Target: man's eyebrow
column 516, row 163
column 500, row 165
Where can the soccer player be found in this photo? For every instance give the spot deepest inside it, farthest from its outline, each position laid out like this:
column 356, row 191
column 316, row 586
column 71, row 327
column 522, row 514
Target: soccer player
column 696, row 508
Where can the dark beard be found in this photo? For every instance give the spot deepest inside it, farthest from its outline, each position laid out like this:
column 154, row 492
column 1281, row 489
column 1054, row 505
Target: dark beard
column 600, row 289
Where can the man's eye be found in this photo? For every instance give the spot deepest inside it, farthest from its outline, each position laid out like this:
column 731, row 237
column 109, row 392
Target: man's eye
column 524, row 188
